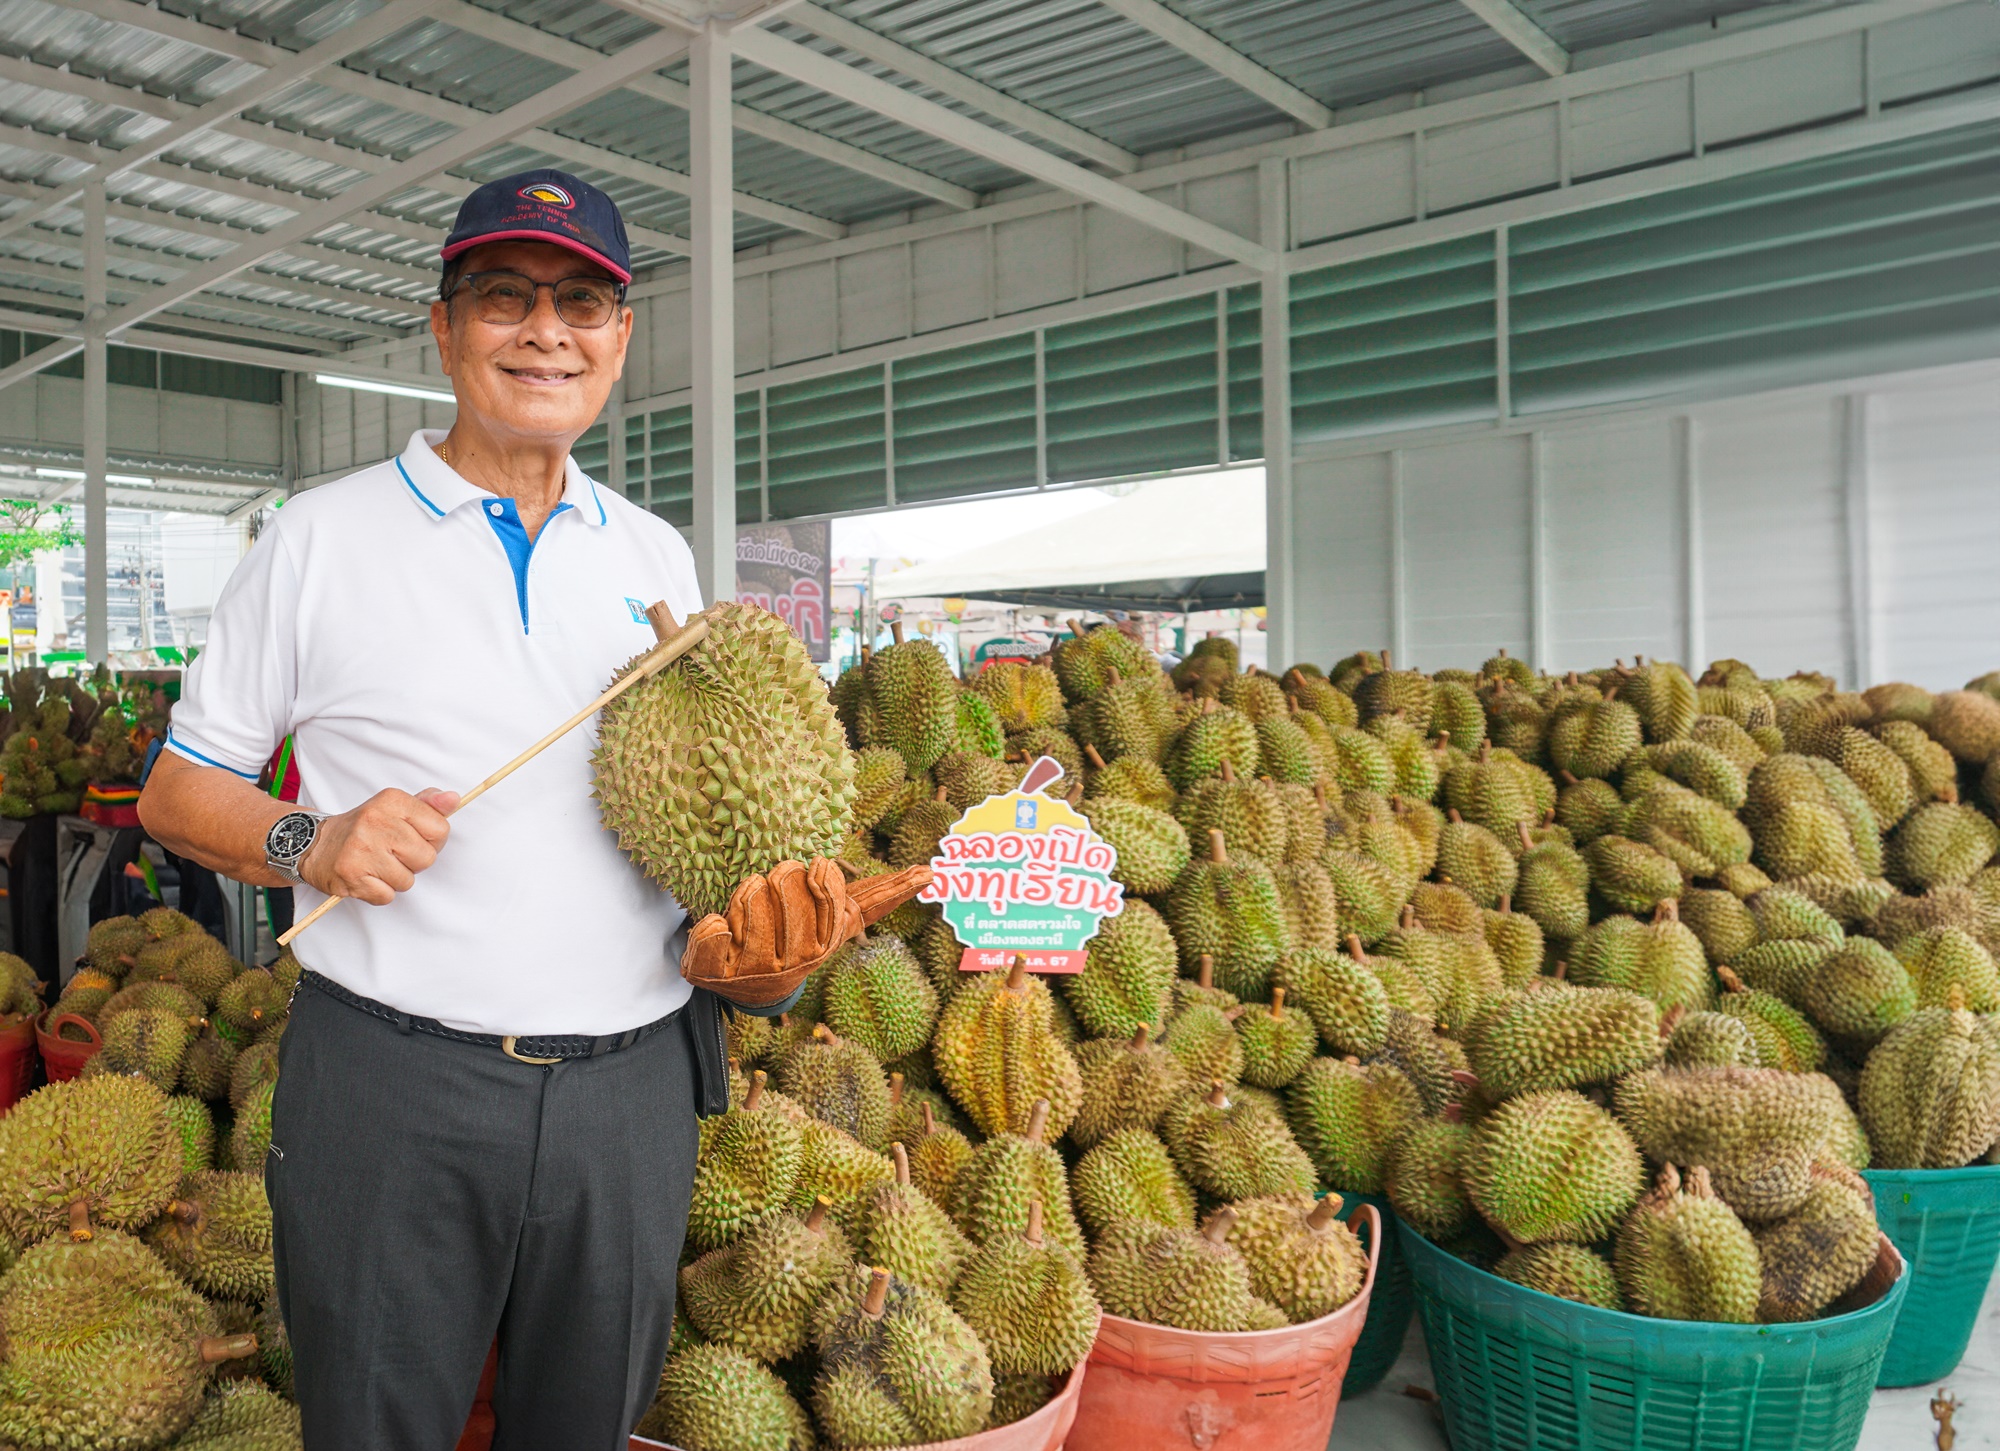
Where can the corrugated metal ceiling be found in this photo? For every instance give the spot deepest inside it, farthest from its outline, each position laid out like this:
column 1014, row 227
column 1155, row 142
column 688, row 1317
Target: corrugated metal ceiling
column 1077, row 60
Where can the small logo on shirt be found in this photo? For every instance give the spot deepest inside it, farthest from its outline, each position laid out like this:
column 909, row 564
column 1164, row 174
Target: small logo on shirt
column 553, row 196
column 638, row 610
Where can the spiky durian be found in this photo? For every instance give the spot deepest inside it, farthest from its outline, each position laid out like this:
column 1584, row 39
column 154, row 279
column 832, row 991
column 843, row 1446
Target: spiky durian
column 1930, row 1093
column 1348, row 1117
column 1126, row 1084
column 1552, row 1165
column 1129, row 1175
column 1684, row 1255
column 998, row 1053
column 1029, row 1301
column 1230, row 910
column 1301, row 1257
column 898, row 1366
column 1128, row 974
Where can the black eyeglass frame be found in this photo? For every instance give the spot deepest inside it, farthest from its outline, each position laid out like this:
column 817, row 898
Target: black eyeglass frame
column 465, row 280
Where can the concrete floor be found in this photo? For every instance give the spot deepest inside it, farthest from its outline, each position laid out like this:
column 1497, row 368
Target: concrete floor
column 1387, row 1420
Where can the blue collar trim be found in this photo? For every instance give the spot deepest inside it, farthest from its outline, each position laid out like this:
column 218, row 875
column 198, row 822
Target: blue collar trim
column 417, row 491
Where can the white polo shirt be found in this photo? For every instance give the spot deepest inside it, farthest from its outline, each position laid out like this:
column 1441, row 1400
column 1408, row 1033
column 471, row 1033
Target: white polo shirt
column 400, row 625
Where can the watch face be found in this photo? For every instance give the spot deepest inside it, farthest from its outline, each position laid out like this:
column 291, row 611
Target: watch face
column 291, row 836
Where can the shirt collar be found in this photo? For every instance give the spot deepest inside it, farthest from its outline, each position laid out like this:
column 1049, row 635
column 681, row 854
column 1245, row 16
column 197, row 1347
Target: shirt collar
column 436, row 489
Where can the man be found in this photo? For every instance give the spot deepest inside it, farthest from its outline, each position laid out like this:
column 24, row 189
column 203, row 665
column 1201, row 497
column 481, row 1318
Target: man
column 485, row 1119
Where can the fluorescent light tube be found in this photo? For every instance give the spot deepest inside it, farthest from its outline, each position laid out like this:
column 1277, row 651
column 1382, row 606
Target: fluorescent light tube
column 369, row 385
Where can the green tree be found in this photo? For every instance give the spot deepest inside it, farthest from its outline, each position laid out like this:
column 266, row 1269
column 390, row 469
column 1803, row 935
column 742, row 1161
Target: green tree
column 28, row 527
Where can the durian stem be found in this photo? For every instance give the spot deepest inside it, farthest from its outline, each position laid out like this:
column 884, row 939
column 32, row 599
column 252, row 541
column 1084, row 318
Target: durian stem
column 1228, row 772
column 1205, row 974
column 1485, row 752
column 1502, row 652
column 878, row 1293
column 1408, row 919
column 896, row 630
column 1018, row 973
column 1319, row 794
column 902, row 1157
column 184, row 1210
column 79, row 1222
column 823, row 1206
column 895, row 1090
column 1139, row 1035
column 1076, row 627
column 1451, row 813
column 1561, row 973
column 938, row 795
column 1464, row 1078
column 1726, row 975
column 1354, row 949
column 1325, row 1212
column 1216, row 1231
column 1452, row 1113
column 1567, row 778
column 1671, row 1020
column 1217, row 852
column 823, row 1034
column 756, row 1092
column 1387, row 662
column 1038, row 1121
column 1034, row 1233
column 1506, row 904
column 1112, row 671
column 1091, row 755
column 665, row 626
column 1277, row 1002
column 930, row 1121
column 217, row 1348
column 1218, row 1094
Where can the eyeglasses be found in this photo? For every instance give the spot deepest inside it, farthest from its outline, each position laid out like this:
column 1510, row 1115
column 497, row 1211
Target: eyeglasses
column 506, row 298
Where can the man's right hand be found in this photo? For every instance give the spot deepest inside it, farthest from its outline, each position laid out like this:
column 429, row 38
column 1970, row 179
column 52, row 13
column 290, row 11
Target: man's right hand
column 377, row 849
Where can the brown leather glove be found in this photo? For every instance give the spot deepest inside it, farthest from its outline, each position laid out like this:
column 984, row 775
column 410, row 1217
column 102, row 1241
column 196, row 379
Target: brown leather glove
column 782, row 924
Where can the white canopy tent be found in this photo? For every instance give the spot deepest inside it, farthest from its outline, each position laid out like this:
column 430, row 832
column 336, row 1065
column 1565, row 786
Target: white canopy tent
column 1168, row 533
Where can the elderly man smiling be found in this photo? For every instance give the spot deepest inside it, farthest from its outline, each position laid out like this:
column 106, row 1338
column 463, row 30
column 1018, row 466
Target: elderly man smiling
column 485, row 1121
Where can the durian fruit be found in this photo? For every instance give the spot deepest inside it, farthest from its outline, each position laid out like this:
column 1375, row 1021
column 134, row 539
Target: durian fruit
column 1152, row 847
column 1818, row 1252
column 1629, row 875
column 196, row 1127
column 919, row 830
column 1348, row 1116
column 1966, row 723
column 1278, row 1042
column 980, row 734
column 1757, row 1130
column 1425, row 1179
column 1128, row 973
column 997, row 1052
column 1553, row 887
column 1367, row 893
column 1933, row 772
column 151, row 1043
column 1498, row 790
column 1301, row 1257
column 1203, row 1038
column 1661, row 959
column 1587, row 807
column 1557, row 1036
column 967, row 779
column 250, row 1134
column 216, row 1235
column 113, row 940
column 901, row 1228
column 1130, row 1176
column 1665, row 698
column 916, row 700
column 1720, row 922
column 1346, row 1001
column 937, row 1157
column 1211, row 738
column 1477, row 860
column 1442, row 906
column 1129, row 778
column 1234, row 1150
column 1126, row 1085
column 257, row 1064
column 991, row 1193
column 1552, row 1165
column 730, row 760
column 1707, row 771
column 1567, row 1271
column 1684, row 1255
column 242, row 1415
column 1050, row 741
column 1930, row 1092
column 1189, row 1279
column 1025, row 696
column 1941, row 958
column 250, row 1003
column 1229, row 910
column 1457, row 715
column 713, row 1398
column 839, row 1083
column 1940, row 845
column 1090, row 660
column 1517, row 943
column 1696, row 834
column 1310, row 903
column 880, row 774
column 757, row 1294
column 898, row 1365
column 1029, row 1300
column 876, row 995
column 1016, row 1397
column 104, row 1147
column 1781, row 1036
column 85, row 994
column 748, row 1170
column 1592, row 739
column 1858, row 993
column 1712, row 1040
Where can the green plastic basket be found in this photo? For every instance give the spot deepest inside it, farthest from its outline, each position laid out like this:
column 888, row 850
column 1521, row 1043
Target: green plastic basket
column 1518, row 1370
column 1946, row 1222
column 1389, row 1309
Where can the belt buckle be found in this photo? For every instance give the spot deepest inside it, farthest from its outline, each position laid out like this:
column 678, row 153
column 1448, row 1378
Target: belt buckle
column 507, row 1046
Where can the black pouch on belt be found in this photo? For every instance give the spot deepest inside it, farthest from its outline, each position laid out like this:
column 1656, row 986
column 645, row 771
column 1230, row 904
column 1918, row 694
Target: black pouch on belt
column 711, row 1046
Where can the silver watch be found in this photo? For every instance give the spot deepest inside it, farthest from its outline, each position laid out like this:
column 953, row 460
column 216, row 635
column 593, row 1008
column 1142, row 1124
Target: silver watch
column 290, row 838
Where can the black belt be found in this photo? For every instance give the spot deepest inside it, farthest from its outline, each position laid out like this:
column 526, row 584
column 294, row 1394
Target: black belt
column 548, row 1048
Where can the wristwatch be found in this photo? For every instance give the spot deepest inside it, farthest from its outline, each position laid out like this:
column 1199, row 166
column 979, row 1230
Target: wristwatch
column 290, row 838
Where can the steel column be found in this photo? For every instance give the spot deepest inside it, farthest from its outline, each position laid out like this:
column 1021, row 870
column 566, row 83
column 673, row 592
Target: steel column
column 1853, row 418
column 96, row 431
column 1275, row 320
column 712, row 314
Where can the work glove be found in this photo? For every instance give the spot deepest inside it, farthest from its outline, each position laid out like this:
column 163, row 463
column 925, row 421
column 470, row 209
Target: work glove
column 783, row 923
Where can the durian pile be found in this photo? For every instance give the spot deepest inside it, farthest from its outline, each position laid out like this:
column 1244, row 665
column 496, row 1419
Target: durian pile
column 136, row 1304
column 1610, row 981
column 59, row 735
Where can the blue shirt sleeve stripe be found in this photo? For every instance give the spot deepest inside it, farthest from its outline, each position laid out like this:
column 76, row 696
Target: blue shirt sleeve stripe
column 183, row 748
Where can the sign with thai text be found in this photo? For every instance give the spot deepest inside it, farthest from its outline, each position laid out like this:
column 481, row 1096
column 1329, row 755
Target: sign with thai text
column 788, row 570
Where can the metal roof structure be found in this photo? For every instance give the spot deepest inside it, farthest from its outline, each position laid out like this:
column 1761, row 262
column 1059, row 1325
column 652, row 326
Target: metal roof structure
column 214, row 121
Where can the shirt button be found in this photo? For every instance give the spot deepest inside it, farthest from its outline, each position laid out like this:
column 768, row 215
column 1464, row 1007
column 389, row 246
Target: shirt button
column 495, row 510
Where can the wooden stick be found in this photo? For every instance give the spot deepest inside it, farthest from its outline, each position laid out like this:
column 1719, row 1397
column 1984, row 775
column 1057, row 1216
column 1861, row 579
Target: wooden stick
column 648, row 665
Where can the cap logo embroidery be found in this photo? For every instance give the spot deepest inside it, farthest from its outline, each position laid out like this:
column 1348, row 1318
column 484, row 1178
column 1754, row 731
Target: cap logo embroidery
column 543, row 191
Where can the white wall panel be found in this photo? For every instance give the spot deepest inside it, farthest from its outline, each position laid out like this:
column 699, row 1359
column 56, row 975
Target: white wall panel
column 1341, row 509
column 135, row 419
column 874, row 297
column 1353, row 189
column 1774, row 536
column 954, row 280
column 1466, row 550
column 1034, row 261
column 1632, row 126
column 1498, row 157
column 1928, row 54
column 1228, row 200
column 1934, row 469
column 1780, row 90
column 1614, row 544
column 1119, row 252
column 753, row 329
column 802, row 314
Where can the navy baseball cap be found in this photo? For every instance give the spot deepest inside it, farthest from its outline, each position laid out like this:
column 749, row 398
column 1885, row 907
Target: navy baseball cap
column 544, row 205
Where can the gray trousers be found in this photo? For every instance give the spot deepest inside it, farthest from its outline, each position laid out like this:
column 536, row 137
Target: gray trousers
column 429, row 1196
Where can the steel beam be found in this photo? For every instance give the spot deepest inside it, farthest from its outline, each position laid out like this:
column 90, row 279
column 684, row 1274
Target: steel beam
column 861, row 89
column 1519, row 30
column 712, row 314
column 96, row 428
column 960, row 87
column 1225, row 60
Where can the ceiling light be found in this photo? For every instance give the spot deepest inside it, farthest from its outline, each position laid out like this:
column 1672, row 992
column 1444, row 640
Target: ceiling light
column 369, row 385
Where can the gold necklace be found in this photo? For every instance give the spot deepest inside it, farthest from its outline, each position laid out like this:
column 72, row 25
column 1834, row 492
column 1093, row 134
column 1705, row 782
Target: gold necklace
column 444, row 453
